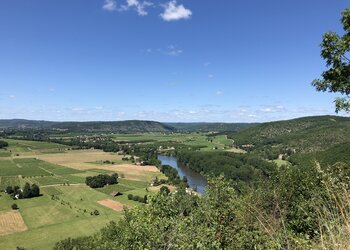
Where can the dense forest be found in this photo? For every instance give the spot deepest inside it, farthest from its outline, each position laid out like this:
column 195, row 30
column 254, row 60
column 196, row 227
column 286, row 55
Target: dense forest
column 238, row 167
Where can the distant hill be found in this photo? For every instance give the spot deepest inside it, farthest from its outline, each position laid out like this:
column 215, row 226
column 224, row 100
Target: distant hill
column 132, row 126
column 24, row 124
column 210, row 127
column 307, row 134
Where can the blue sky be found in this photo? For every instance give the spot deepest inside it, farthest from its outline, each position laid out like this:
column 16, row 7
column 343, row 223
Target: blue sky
column 189, row 60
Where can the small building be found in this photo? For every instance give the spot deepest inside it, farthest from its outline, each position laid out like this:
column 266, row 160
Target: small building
column 115, row 194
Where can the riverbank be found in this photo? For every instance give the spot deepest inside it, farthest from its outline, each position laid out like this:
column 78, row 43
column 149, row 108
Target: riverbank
column 195, row 180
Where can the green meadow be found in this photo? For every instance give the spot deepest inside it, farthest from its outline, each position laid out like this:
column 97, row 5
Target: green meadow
column 24, row 147
column 217, row 142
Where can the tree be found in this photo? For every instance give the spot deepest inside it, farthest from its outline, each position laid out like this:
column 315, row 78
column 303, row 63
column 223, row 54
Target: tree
column 26, row 191
column 35, row 191
column 335, row 51
column 9, row 190
column 14, row 206
column 165, row 190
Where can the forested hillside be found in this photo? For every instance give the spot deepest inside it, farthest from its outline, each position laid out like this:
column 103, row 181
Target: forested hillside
column 211, row 127
column 307, row 134
column 132, row 126
column 339, row 153
column 24, row 124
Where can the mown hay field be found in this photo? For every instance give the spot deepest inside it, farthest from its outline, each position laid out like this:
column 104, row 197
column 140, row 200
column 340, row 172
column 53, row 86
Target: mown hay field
column 11, row 222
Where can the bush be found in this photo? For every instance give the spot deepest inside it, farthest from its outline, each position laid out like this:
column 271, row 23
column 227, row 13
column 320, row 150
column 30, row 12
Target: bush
column 130, row 196
column 164, row 190
column 14, row 206
column 3, row 144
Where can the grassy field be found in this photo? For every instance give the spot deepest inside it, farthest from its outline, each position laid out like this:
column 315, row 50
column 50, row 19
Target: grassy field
column 218, row 142
column 54, row 220
column 23, row 147
column 66, row 205
column 4, row 153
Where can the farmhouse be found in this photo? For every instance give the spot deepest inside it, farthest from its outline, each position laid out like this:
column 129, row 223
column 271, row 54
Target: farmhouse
column 115, row 194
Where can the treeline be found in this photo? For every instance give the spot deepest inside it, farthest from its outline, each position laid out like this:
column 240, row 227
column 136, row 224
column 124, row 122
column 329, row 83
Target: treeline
column 296, row 208
column 138, row 198
column 29, row 191
column 239, row 167
column 101, row 180
column 171, row 173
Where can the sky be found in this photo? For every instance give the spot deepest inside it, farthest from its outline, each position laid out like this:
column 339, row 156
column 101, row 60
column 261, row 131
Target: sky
column 164, row 60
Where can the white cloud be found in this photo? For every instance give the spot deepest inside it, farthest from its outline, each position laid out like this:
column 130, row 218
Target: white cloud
column 173, row 12
column 140, row 7
column 219, row 92
column 12, row 96
column 110, row 5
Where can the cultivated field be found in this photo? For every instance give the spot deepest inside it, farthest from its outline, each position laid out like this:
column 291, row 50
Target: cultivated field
column 24, row 147
column 218, row 142
column 115, row 205
column 11, row 222
column 81, row 160
column 66, row 207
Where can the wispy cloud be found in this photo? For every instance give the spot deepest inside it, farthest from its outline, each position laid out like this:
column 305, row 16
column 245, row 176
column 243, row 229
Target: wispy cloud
column 170, row 50
column 210, row 76
column 174, row 12
column 110, row 5
column 173, row 51
column 219, row 92
column 139, row 6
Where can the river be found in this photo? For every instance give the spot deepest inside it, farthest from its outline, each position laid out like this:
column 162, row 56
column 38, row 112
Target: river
column 195, row 180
